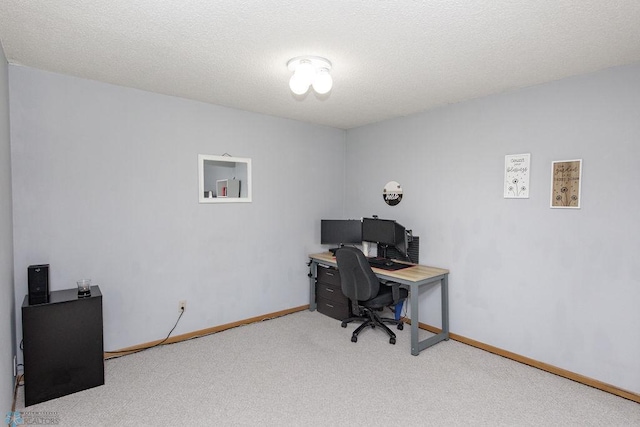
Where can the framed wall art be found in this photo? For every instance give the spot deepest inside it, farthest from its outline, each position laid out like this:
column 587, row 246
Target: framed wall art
column 566, row 179
column 224, row 179
column 516, row 176
column 392, row 193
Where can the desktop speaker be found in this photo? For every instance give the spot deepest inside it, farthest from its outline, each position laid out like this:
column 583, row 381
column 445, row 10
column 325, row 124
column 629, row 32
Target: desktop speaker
column 38, row 277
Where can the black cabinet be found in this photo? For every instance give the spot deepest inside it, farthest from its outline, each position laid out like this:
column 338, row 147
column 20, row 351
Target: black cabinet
column 329, row 297
column 62, row 344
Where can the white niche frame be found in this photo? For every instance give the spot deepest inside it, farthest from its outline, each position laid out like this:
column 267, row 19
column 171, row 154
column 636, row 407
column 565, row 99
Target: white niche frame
column 212, row 169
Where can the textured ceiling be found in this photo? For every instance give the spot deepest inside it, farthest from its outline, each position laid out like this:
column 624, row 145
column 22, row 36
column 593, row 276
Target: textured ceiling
column 390, row 58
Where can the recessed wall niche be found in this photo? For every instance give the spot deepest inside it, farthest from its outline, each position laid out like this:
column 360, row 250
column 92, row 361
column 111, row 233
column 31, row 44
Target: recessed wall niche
column 224, row 179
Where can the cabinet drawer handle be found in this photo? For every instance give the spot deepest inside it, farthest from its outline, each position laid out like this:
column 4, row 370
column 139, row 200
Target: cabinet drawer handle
column 329, row 274
column 328, row 289
column 329, row 305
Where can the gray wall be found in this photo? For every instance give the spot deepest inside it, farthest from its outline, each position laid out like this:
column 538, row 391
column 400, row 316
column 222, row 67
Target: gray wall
column 559, row 286
column 7, row 311
column 105, row 185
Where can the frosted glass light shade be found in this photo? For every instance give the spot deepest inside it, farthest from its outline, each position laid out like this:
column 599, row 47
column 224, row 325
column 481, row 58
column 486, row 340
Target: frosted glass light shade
column 307, row 71
column 298, row 84
column 323, row 81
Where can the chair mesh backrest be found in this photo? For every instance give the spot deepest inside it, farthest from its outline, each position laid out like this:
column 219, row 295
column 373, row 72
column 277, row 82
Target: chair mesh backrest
column 359, row 282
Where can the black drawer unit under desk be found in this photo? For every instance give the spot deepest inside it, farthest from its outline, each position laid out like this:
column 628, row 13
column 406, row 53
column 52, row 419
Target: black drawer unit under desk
column 329, row 297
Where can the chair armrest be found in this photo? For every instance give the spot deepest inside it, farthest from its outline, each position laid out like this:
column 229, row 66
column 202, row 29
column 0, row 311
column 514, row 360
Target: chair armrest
column 395, row 290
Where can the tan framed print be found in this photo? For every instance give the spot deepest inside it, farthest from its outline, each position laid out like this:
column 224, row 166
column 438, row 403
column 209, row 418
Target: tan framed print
column 566, row 179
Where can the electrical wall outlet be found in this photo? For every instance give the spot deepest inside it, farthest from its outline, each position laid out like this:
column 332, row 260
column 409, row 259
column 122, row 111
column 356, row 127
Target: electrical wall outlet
column 15, row 366
column 182, row 306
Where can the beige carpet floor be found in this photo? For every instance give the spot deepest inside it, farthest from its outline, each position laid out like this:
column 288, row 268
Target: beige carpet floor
column 303, row 370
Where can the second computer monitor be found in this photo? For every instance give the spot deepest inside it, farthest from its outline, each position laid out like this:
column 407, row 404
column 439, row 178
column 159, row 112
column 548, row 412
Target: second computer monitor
column 385, row 232
column 381, row 231
column 402, row 240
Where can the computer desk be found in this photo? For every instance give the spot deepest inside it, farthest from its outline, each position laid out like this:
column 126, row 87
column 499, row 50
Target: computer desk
column 411, row 278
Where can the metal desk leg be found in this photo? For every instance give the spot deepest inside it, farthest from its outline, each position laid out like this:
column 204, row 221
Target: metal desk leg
column 313, row 272
column 418, row 346
column 444, row 290
column 414, row 296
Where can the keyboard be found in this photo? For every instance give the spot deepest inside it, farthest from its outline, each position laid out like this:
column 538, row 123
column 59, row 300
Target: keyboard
column 386, row 264
column 377, row 260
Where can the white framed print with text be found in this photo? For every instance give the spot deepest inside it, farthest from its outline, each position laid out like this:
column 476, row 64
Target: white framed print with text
column 516, row 176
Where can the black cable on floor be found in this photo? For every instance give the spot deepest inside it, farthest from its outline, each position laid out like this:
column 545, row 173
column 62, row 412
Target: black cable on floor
column 15, row 394
column 139, row 349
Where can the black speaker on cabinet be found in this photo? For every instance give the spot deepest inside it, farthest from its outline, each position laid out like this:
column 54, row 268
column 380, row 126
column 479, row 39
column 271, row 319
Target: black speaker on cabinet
column 38, row 277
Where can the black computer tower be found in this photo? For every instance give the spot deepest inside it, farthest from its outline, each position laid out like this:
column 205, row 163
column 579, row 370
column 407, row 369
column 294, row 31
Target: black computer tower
column 38, row 278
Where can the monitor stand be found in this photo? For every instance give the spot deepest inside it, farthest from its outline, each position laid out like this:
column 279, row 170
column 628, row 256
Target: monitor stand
column 382, row 251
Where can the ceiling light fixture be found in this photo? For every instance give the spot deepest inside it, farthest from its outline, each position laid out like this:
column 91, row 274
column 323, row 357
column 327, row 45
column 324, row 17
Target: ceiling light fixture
column 310, row 71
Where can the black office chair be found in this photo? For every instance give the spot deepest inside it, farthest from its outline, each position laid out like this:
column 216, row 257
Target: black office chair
column 367, row 294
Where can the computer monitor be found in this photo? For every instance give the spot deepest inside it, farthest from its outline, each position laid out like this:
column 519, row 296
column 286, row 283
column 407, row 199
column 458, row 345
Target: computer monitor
column 386, row 232
column 381, row 231
column 340, row 231
column 402, row 240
